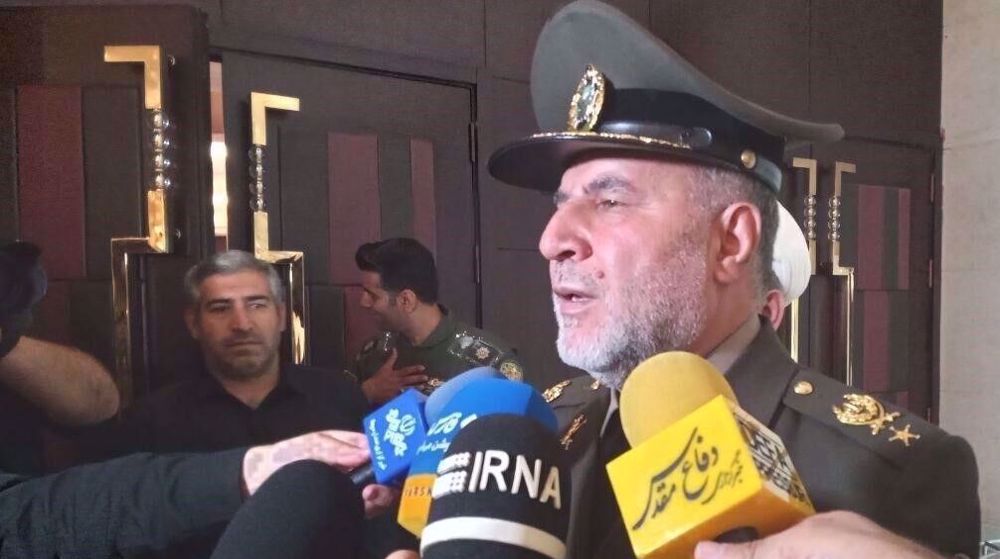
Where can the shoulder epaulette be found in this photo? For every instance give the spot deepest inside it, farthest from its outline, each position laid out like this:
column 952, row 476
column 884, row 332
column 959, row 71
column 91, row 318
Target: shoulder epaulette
column 475, row 348
column 892, row 432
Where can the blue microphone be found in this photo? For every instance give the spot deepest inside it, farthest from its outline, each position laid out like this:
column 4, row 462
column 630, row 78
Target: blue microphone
column 396, row 429
column 479, row 398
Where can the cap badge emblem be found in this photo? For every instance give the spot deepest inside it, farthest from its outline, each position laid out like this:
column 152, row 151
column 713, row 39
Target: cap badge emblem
column 585, row 107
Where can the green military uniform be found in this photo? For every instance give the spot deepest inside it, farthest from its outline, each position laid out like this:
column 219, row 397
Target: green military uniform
column 452, row 348
column 637, row 96
column 852, row 452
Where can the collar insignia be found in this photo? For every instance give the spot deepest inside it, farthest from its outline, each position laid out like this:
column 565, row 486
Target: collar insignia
column 553, row 392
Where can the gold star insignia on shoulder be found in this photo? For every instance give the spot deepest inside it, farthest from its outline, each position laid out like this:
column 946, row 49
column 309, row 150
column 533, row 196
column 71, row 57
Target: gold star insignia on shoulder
column 862, row 409
column 555, row 391
column 567, row 438
column 904, row 435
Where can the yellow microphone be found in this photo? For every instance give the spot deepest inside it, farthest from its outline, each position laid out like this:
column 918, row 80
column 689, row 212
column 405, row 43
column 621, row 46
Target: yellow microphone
column 700, row 468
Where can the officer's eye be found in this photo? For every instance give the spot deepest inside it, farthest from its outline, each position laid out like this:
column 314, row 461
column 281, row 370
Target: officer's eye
column 608, row 203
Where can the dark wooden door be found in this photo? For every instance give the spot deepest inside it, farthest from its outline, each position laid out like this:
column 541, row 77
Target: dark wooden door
column 76, row 162
column 369, row 155
column 887, row 238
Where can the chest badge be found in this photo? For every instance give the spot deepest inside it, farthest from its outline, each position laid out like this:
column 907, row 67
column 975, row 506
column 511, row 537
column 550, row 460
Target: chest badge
column 862, row 409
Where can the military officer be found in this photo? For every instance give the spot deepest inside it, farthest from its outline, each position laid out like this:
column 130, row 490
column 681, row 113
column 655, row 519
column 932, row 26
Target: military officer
column 665, row 216
column 421, row 344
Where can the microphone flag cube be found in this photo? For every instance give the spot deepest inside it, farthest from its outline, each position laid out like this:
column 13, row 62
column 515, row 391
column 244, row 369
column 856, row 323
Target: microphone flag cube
column 394, row 433
column 716, row 469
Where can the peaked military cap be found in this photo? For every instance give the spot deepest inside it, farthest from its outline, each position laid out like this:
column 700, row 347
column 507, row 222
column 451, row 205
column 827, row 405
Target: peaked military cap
column 600, row 81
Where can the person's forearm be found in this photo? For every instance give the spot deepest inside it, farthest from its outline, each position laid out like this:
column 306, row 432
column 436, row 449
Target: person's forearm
column 133, row 504
column 70, row 387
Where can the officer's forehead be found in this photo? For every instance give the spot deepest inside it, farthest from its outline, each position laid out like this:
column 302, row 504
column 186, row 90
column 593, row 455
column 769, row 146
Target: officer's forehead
column 595, row 175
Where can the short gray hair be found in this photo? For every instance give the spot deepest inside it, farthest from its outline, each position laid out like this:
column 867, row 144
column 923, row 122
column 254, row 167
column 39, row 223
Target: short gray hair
column 713, row 189
column 230, row 262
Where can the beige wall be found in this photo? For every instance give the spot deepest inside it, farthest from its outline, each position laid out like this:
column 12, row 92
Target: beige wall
column 970, row 267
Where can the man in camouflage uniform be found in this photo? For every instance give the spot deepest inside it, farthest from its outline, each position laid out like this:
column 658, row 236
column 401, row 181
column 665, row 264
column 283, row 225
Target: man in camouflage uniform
column 421, row 344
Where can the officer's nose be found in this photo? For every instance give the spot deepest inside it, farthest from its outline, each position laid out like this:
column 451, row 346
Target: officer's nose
column 565, row 237
column 365, row 300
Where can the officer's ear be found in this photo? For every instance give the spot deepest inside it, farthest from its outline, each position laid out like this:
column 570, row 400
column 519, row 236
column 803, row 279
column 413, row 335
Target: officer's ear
column 738, row 235
column 407, row 300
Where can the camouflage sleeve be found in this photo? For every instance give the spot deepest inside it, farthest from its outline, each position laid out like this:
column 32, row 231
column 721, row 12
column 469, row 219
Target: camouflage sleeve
column 368, row 360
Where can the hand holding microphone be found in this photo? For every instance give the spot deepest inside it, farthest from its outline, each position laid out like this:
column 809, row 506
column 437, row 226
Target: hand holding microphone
column 833, row 535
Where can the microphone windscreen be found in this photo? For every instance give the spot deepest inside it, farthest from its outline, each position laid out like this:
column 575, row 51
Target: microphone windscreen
column 394, row 432
column 481, row 397
column 665, row 388
column 502, row 492
column 444, row 393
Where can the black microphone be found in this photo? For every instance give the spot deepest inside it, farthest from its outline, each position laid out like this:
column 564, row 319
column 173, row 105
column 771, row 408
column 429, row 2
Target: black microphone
column 502, row 492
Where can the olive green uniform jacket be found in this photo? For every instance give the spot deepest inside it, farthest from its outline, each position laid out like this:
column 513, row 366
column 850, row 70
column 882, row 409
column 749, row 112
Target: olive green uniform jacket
column 925, row 490
column 452, row 348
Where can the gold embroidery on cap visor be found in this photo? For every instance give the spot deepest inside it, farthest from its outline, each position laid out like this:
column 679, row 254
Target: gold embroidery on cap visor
column 585, row 106
column 611, row 136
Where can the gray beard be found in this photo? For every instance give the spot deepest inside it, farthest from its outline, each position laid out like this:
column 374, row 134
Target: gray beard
column 661, row 309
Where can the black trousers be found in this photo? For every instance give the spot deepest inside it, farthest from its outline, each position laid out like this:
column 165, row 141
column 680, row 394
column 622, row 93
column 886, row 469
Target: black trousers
column 305, row 510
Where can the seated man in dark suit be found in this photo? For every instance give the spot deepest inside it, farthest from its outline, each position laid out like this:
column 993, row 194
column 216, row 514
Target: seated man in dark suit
column 245, row 395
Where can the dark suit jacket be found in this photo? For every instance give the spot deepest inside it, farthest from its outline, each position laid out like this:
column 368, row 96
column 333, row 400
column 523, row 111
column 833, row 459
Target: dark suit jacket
column 112, row 509
column 927, row 491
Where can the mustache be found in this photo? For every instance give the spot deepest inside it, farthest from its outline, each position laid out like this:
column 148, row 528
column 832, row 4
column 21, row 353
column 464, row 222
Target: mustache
column 233, row 340
column 567, row 273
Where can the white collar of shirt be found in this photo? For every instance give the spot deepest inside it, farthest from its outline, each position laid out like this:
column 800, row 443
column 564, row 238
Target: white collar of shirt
column 722, row 357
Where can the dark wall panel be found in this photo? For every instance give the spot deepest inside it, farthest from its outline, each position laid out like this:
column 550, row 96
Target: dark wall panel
column 424, row 196
column 876, row 66
column 394, row 186
column 111, row 144
column 174, row 354
column 304, row 188
column 444, row 30
column 512, row 28
column 8, row 164
column 326, row 327
column 354, row 201
column 757, row 49
column 90, row 319
column 50, row 168
column 359, row 323
column 52, row 315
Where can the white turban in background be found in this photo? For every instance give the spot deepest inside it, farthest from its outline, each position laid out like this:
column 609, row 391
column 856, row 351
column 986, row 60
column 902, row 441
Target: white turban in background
column 791, row 257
